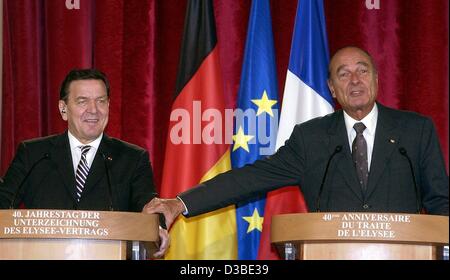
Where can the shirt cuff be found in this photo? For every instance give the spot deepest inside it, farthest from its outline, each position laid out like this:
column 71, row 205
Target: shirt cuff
column 185, row 207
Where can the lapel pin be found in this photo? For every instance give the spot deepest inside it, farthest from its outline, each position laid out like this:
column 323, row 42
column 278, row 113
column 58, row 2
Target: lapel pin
column 392, row 141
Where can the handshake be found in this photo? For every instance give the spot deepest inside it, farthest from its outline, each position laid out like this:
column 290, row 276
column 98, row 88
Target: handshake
column 171, row 209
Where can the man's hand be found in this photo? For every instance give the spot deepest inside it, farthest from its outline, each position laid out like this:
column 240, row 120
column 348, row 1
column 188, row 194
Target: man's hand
column 171, row 208
column 164, row 244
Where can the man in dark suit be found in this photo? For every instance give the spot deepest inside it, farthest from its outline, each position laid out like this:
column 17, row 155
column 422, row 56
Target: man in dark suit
column 83, row 168
column 368, row 146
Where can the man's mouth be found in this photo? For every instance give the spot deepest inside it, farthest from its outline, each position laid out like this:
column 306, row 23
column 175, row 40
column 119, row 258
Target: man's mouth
column 355, row 93
column 91, row 120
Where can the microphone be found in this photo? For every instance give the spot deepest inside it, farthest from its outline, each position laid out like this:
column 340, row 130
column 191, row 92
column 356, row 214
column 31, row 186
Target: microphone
column 106, row 159
column 36, row 163
column 404, row 153
column 337, row 150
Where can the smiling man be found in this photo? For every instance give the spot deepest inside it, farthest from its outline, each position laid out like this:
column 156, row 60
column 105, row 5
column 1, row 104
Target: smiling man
column 83, row 168
column 86, row 110
column 363, row 158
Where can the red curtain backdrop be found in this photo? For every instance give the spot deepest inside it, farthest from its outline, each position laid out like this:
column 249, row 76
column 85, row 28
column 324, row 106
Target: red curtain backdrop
column 136, row 43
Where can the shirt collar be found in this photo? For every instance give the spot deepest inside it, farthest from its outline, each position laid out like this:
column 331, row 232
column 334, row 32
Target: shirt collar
column 370, row 121
column 75, row 143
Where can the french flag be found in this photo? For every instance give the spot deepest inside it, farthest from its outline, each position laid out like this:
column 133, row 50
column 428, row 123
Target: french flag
column 306, row 96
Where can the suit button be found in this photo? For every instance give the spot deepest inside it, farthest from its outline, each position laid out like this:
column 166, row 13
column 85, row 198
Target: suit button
column 366, row 206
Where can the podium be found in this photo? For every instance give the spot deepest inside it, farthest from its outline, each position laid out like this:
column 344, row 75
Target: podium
column 71, row 234
column 359, row 236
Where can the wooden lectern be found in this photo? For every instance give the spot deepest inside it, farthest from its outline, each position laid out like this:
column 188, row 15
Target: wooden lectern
column 71, row 234
column 356, row 236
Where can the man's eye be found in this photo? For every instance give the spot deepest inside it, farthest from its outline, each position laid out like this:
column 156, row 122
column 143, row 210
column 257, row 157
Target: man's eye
column 81, row 102
column 343, row 74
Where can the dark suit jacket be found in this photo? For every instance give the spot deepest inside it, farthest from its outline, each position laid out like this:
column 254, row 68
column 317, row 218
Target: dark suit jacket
column 303, row 158
column 51, row 184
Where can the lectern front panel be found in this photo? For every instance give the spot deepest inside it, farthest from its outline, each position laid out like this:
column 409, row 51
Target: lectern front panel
column 62, row 249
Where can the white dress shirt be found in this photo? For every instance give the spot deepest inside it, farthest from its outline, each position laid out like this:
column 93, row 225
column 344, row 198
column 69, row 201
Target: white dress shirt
column 75, row 149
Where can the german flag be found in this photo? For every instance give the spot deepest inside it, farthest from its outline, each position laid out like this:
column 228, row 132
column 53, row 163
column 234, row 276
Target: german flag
column 196, row 150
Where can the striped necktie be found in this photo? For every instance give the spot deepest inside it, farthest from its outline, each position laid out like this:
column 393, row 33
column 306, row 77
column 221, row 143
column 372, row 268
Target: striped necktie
column 82, row 172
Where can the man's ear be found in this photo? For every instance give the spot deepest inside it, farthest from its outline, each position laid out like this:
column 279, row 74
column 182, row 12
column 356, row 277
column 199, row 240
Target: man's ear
column 63, row 109
column 331, row 87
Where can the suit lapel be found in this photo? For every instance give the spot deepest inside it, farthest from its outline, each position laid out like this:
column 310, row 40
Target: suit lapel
column 62, row 158
column 338, row 136
column 386, row 139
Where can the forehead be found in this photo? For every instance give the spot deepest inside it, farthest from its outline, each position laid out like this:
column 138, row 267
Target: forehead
column 88, row 88
column 350, row 57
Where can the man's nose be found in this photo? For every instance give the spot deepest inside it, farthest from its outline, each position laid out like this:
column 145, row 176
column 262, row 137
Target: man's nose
column 354, row 79
column 92, row 106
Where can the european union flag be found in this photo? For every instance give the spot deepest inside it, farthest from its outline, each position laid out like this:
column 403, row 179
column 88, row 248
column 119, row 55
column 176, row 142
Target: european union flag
column 256, row 120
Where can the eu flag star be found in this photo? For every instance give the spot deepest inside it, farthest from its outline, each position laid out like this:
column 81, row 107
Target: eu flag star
column 254, row 222
column 264, row 104
column 241, row 140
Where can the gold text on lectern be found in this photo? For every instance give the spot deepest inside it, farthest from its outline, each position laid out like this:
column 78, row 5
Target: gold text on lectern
column 367, row 225
column 55, row 222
